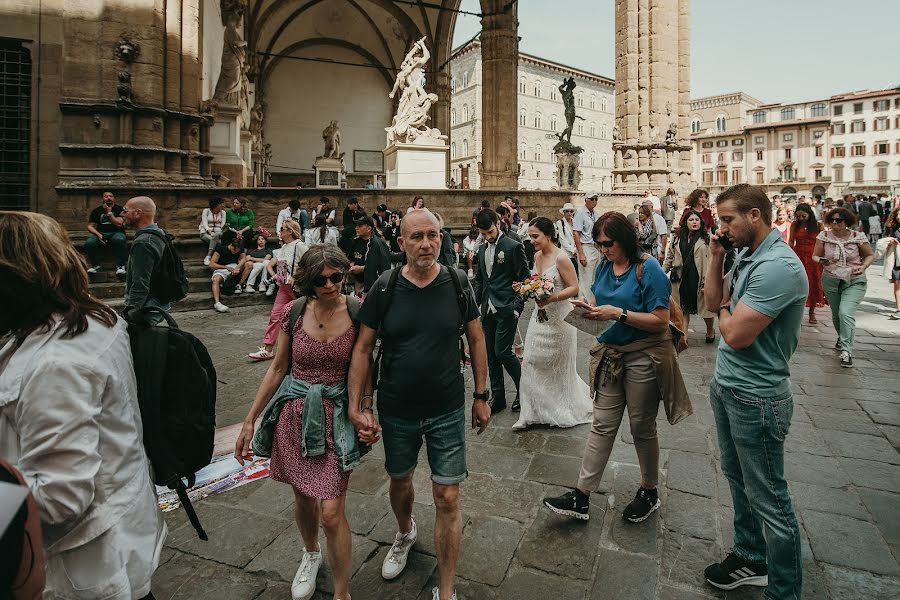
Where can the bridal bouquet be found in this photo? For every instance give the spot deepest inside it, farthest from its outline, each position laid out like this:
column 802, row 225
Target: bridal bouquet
column 535, row 288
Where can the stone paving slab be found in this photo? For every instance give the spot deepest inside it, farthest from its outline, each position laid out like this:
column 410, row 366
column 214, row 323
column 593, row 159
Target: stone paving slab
column 841, row 464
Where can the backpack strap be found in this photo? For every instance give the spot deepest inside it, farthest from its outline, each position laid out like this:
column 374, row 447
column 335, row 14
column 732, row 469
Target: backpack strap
column 296, row 310
column 387, row 294
column 462, row 301
column 353, row 307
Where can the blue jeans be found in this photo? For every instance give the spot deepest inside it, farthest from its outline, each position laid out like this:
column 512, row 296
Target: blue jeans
column 445, row 441
column 117, row 241
column 751, row 443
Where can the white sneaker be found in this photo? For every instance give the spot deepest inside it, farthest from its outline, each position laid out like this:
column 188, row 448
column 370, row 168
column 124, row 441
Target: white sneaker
column 436, row 595
column 271, row 289
column 206, row 261
column 261, row 354
column 220, row 307
column 262, row 288
column 395, row 561
column 238, row 289
column 93, row 270
column 120, row 270
column 304, row 584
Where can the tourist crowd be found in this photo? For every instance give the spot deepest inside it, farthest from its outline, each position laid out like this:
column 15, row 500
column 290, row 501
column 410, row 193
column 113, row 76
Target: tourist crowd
column 70, row 423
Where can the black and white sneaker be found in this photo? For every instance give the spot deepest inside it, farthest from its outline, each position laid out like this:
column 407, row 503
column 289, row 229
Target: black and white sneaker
column 734, row 572
column 846, row 359
column 644, row 503
column 572, row 504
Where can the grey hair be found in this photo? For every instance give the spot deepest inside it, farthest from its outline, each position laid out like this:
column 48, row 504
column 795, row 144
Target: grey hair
column 313, row 262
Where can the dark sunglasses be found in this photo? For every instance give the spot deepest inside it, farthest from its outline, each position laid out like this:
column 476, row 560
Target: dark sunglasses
column 836, row 220
column 320, row 280
column 606, row 244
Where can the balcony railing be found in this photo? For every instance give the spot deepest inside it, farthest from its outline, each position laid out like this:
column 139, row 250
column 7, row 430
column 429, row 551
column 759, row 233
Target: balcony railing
column 823, row 179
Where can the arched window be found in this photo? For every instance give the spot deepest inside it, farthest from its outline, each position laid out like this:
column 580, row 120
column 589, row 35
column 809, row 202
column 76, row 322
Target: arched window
column 553, row 122
column 537, row 89
column 603, row 105
column 603, row 131
column 787, row 114
column 465, row 147
column 695, row 125
column 465, row 112
column 593, row 157
column 453, row 84
column 521, row 85
column 537, row 120
column 453, row 150
column 537, row 153
column 593, row 129
column 453, row 116
column 593, row 102
column 720, row 123
column 603, row 160
column 580, row 128
column 523, row 151
column 465, row 79
column 553, row 92
column 522, row 117
column 580, row 99
column 817, row 110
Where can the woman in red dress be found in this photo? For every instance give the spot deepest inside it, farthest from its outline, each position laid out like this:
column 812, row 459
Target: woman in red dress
column 804, row 231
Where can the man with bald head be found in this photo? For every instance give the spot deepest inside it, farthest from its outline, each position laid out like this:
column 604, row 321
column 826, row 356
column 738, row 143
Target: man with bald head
column 419, row 311
column 146, row 252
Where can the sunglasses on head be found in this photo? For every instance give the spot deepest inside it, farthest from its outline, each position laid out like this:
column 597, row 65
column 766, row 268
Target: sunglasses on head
column 836, row 220
column 606, row 244
column 321, row 280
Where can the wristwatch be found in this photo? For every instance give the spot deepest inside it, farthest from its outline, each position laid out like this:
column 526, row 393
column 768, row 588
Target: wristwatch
column 624, row 316
column 485, row 395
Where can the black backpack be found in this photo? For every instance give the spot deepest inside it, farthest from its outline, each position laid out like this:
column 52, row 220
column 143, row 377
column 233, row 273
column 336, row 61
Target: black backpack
column 168, row 282
column 176, row 385
column 383, row 304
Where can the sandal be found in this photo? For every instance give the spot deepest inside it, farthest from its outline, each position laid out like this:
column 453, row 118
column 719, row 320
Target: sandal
column 813, row 320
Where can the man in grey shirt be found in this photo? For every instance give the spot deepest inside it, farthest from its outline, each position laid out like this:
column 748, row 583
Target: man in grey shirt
column 588, row 253
column 146, row 252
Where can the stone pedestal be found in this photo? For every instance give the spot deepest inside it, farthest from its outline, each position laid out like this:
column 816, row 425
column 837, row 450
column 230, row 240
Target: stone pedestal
column 416, row 166
column 329, row 172
column 228, row 146
column 568, row 171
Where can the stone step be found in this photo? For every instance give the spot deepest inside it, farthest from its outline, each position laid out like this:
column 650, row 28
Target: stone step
column 203, row 301
column 114, row 289
column 193, row 269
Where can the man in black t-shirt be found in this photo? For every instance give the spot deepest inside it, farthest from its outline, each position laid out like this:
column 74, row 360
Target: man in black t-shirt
column 369, row 256
column 228, row 260
column 107, row 228
column 421, row 393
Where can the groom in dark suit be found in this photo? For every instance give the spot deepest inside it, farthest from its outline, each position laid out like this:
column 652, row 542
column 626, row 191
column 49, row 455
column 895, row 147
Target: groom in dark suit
column 501, row 261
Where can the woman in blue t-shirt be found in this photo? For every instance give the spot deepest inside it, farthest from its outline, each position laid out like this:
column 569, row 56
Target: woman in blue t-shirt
column 630, row 352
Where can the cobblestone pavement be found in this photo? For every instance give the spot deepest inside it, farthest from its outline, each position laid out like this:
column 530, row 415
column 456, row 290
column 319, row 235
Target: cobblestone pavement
column 842, row 464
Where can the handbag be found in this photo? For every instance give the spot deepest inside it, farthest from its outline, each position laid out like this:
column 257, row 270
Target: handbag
column 675, row 274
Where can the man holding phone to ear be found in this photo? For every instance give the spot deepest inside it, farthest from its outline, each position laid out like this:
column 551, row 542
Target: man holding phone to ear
column 761, row 304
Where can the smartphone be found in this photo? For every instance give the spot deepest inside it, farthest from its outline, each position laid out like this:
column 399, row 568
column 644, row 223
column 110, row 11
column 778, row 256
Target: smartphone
column 725, row 242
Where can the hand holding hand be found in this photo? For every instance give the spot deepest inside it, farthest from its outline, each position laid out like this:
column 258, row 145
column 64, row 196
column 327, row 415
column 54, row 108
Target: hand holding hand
column 242, row 449
column 366, row 425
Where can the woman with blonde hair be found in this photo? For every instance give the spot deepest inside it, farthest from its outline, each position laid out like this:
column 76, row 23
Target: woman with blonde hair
column 69, row 418
column 281, row 270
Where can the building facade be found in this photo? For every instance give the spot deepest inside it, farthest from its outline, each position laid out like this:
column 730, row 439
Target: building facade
column 540, row 118
column 848, row 143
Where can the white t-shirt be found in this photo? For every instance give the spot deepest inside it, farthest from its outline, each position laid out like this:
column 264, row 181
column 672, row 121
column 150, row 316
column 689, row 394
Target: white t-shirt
column 655, row 201
column 661, row 230
column 285, row 214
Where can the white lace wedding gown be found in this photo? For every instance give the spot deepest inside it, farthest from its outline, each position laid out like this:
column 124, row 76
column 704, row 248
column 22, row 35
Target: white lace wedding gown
column 550, row 391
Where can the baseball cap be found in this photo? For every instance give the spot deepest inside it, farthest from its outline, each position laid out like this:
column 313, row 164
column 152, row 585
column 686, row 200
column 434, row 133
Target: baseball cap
column 381, row 207
column 591, row 194
column 365, row 221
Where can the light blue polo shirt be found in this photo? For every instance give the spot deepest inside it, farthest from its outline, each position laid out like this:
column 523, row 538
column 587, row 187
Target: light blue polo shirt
column 771, row 281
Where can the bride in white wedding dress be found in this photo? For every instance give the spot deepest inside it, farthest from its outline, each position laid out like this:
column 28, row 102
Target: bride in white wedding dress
column 550, row 390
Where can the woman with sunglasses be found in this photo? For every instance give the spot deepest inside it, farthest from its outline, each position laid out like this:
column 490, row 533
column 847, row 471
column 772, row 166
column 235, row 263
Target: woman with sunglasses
column 633, row 365
column 845, row 254
column 281, row 268
column 313, row 444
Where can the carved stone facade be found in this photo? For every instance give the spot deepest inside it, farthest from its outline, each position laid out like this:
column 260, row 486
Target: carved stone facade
column 652, row 149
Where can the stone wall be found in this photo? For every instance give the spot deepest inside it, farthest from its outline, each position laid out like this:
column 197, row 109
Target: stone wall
column 179, row 208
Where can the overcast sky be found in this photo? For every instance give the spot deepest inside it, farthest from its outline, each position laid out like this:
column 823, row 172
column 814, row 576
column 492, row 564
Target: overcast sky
column 774, row 50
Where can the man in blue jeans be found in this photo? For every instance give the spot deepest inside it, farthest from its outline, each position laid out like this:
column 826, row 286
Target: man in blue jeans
column 418, row 313
column 760, row 305
column 107, row 228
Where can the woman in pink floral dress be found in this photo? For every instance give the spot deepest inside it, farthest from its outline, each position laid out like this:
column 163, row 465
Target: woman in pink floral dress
column 312, row 363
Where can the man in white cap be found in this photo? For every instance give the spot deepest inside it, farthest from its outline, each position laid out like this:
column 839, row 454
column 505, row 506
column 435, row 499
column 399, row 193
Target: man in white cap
column 588, row 254
column 565, row 233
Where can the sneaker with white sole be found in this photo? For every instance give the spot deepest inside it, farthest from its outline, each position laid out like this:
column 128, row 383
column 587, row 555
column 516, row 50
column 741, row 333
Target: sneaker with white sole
column 93, row 270
column 220, row 307
column 120, row 270
column 261, row 354
column 206, row 261
column 436, row 595
column 846, row 360
column 734, row 572
column 238, row 289
column 262, row 288
column 304, row 585
column 395, row 561
column 271, row 289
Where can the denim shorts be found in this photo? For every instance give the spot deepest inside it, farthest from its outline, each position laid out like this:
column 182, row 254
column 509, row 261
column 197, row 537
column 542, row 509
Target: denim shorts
column 445, row 442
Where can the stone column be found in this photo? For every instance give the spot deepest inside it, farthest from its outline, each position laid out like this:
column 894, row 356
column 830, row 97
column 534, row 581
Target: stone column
column 651, row 138
column 440, row 110
column 500, row 60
